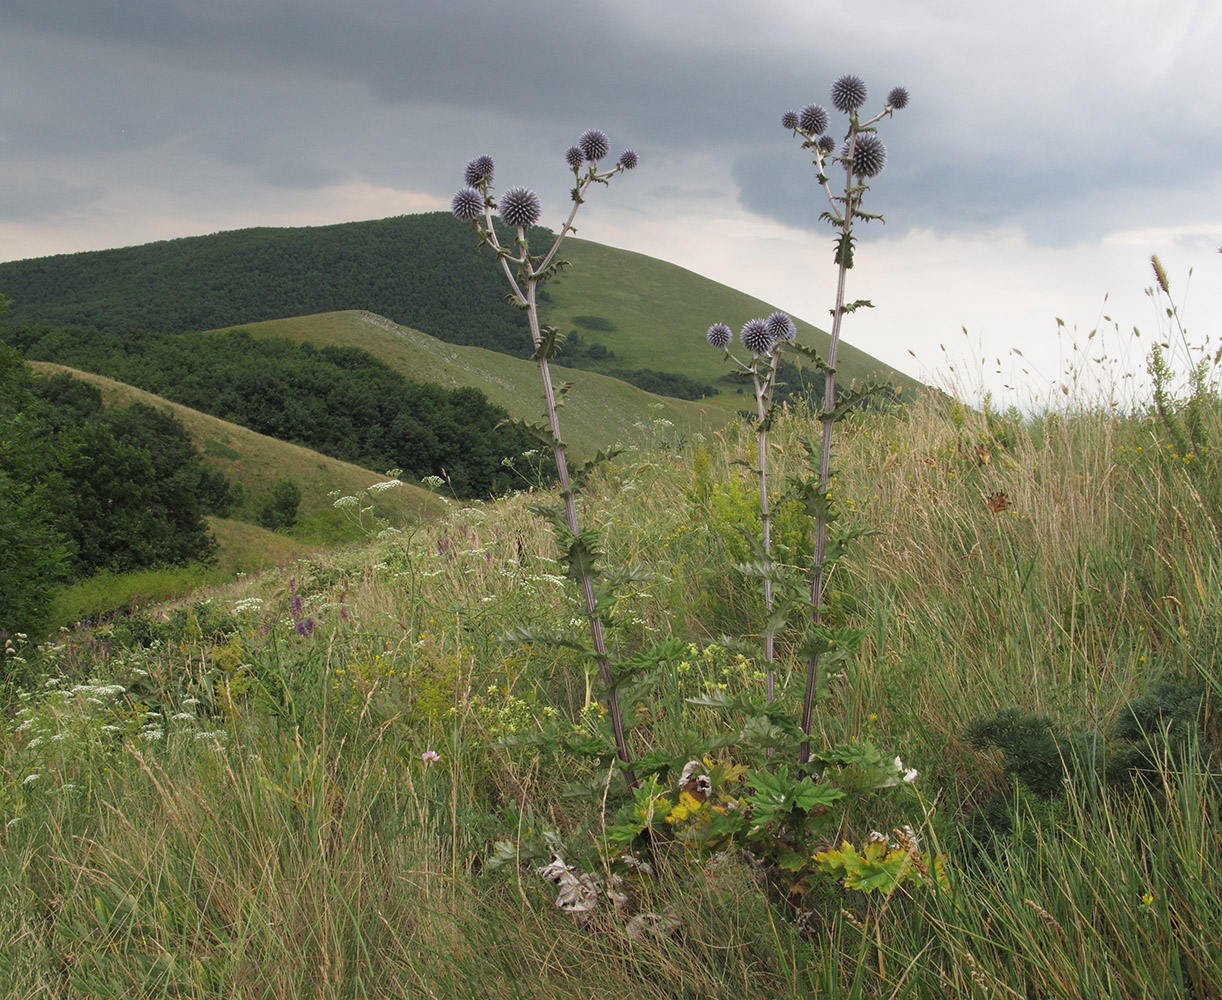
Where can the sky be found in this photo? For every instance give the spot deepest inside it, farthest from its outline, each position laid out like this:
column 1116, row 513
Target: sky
column 1048, row 150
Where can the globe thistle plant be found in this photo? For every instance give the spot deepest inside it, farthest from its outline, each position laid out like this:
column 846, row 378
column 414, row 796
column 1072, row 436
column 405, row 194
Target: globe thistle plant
column 863, row 156
column 761, row 337
column 520, row 209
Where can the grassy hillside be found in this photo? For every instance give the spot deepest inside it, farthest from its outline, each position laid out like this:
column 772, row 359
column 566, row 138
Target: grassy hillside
column 598, row 411
column 658, row 314
column 294, row 785
column 420, row 271
column 257, row 461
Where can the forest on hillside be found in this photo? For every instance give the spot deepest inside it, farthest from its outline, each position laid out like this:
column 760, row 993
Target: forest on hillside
column 340, row 401
column 421, row 271
column 85, row 488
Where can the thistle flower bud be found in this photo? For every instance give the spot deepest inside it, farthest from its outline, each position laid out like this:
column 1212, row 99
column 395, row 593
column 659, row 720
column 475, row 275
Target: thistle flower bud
column 849, row 93
column 468, row 204
column 720, row 335
column 826, row 144
column 479, row 169
column 520, row 207
column 574, row 157
column 755, row 336
column 789, row 120
column 594, row 144
column 898, row 98
column 628, row 159
column 869, row 155
column 780, row 326
column 813, row 119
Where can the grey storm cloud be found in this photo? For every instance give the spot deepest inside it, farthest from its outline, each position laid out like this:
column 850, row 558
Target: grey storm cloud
column 304, row 93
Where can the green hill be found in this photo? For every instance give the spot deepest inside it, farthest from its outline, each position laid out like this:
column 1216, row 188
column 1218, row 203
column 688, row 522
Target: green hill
column 256, row 461
column 598, row 412
column 642, row 317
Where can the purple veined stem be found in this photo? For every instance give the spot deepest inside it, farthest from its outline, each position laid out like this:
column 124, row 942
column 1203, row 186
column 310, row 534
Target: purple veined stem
column 825, row 452
column 763, row 396
column 586, row 584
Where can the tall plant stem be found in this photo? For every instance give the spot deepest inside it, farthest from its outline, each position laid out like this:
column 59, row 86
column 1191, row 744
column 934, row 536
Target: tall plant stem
column 524, row 286
column 851, row 196
column 584, row 582
column 763, row 403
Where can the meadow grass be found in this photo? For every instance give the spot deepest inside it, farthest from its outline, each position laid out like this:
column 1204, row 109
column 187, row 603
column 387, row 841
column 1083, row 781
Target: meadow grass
column 221, row 801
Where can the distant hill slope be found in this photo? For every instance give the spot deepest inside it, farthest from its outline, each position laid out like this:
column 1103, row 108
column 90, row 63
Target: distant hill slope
column 419, row 271
column 598, row 413
column 659, row 314
column 257, row 461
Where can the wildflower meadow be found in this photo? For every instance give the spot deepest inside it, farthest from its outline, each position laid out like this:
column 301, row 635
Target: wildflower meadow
column 859, row 696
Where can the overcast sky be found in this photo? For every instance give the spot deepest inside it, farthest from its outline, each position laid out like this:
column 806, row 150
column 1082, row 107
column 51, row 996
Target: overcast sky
column 1048, row 150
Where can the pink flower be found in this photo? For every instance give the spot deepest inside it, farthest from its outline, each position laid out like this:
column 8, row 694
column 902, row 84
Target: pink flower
column 430, row 757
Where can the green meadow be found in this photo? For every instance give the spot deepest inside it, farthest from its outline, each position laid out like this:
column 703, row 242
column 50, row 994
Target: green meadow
column 292, row 782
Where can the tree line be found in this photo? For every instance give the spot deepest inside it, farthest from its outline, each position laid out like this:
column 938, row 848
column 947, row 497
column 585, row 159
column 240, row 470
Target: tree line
column 340, row 401
column 417, row 270
column 85, row 488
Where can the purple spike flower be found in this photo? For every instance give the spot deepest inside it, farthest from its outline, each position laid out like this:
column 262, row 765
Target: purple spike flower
column 869, row 155
column 789, row 120
column 720, row 335
column 780, row 326
column 479, row 169
column 520, row 207
column 628, row 159
column 813, row 119
column 755, row 336
column 574, row 157
column 898, row 98
column 826, row 144
column 594, row 143
column 468, row 204
column 849, row 93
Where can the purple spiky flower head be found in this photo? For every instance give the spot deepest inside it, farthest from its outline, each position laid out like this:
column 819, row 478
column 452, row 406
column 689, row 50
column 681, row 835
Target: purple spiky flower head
column 869, row 155
column 789, row 120
column 520, row 207
column 898, row 98
column 468, row 204
column 574, row 157
column 826, row 144
column 594, row 143
column 755, row 336
column 479, row 169
column 628, row 159
column 813, row 119
column 780, row 326
column 720, row 335
column 849, row 92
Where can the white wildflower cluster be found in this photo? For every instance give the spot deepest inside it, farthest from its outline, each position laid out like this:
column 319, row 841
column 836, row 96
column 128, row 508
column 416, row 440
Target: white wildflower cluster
column 248, row 606
column 379, row 488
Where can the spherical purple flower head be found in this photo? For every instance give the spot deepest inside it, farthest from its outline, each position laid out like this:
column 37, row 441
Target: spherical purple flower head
column 898, row 98
column 755, row 336
column 780, row 326
column 468, row 204
column 520, row 207
column 574, row 157
column 479, row 169
column 789, row 120
column 849, row 93
column 628, row 159
column 720, row 335
column 594, row 144
column 813, row 119
column 826, row 144
column 869, row 155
